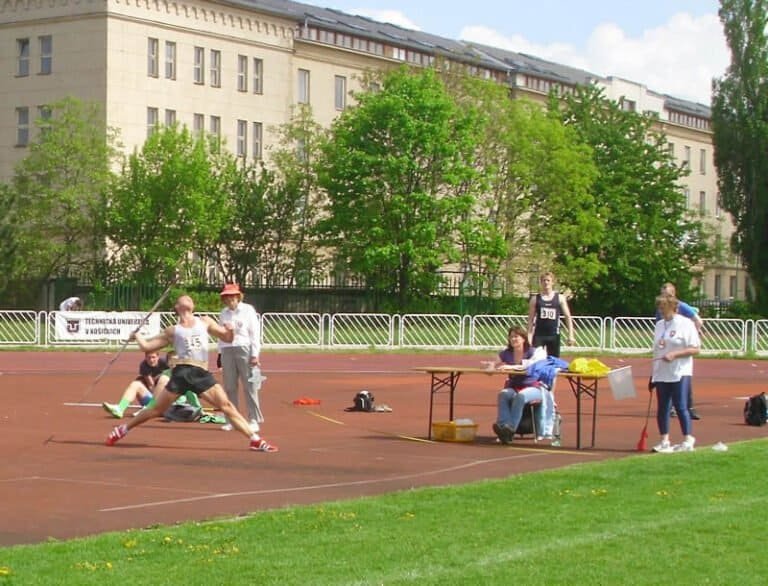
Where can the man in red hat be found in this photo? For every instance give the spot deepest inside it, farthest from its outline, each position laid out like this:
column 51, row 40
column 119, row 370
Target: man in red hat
column 240, row 357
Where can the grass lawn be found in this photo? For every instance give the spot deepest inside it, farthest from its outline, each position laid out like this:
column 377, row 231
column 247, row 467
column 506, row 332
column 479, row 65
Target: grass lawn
column 688, row 518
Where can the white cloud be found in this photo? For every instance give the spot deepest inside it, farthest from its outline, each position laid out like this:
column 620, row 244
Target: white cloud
column 391, row 16
column 679, row 58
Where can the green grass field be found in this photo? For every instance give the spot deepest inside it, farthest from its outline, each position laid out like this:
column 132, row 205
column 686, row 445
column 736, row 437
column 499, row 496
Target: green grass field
column 689, row 518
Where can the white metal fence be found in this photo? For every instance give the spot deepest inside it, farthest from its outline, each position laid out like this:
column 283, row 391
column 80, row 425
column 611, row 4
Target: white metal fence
column 418, row 331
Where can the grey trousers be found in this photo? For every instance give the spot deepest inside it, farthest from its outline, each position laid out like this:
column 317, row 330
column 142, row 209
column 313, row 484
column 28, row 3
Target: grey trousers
column 235, row 362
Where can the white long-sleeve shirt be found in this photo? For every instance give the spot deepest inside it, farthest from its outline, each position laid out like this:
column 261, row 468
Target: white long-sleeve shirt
column 247, row 328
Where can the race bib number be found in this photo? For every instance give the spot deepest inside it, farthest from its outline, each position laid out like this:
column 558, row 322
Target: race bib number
column 548, row 313
column 194, row 343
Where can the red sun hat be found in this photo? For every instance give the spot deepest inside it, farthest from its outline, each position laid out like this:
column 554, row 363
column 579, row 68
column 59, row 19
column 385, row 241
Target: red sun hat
column 231, row 289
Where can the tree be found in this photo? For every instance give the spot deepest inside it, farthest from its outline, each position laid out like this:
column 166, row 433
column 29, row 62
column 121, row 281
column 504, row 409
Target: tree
column 740, row 124
column 393, row 171
column 9, row 229
column 274, row 210
column 536, row 179
column 649, row 237
column 60, row 192
column 170, row 200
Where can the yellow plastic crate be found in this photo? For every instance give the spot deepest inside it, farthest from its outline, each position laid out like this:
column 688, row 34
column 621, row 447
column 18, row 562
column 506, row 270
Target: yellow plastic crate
column 450, row 431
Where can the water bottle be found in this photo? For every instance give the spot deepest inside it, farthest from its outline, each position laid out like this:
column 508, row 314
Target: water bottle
column 256, row 376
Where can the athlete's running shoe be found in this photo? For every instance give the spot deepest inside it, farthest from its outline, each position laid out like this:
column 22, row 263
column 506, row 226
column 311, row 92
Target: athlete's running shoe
column 262, row 445
column 113, row 410
column 116, row 435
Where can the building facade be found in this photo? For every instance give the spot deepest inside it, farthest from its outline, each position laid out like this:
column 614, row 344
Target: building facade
column 239, row 68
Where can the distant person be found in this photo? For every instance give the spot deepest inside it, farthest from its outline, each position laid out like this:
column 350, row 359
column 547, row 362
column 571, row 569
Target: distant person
column 675, row 343
column 152, row 370
column 240, row 357
column 519, row 389
column 189, row 338
column 71, row 304
column 154, row 374
column 544, row 311
column 690, row 312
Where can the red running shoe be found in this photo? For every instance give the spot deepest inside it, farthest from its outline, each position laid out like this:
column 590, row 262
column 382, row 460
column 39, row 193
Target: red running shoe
column 262, row 445
column 116, row 435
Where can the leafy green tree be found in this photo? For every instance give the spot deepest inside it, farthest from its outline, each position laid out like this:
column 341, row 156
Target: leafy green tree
column 60, row 191
column 536, row 178
column 740, row 124
column 650, row 238
column 394, row 171
column 9, row 228
column 274, row 210
column 169, row 201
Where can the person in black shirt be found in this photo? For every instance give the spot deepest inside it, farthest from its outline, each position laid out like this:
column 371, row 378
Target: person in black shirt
column 544, row 312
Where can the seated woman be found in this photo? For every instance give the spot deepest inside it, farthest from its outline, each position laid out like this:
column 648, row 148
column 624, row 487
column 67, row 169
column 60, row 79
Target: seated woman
column 519, row 389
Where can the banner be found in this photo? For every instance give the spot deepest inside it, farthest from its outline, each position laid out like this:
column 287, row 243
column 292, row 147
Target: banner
column 94, row 326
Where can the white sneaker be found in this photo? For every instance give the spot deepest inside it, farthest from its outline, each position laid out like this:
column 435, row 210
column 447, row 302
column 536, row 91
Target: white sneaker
column 227, row 427
column 686, row 445
column 254, row 425
column 663, row 447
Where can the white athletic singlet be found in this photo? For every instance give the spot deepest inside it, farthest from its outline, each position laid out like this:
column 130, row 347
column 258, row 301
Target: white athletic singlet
column 191, row 343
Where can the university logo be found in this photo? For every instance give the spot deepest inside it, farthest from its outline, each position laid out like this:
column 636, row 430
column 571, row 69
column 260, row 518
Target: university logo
column 73, row 326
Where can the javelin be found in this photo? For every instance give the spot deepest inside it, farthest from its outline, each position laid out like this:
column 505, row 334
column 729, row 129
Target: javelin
column 128, row 341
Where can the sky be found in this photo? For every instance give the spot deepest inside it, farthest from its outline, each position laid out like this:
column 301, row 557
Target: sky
column 673, row 47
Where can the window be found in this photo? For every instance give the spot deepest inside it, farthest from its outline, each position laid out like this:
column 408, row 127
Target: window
column 22, row 126
column 718, row 286
column 340, row 88
column 215, row 68
column 198, row 123
column 257, row 130
column 22, row 57
column 258, row 76
column 702, row 202
column 703, row 161
column 242, row 138
column 170, row 117
column 242, row 73
column 301, row 150
column 152, row 120
column 687, row 159
column 153, row 47
column 216, row 125
column 46, row 54
column 170, row 60
column 303, row 88
column 628, row 105
column 718, row 208
column 687, row 194
column 671, row 147
column 44, row 116
column 198, row 71
column 732, row 286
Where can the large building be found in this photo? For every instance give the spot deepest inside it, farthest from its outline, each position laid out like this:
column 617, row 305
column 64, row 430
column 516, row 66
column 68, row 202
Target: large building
column 239, row 68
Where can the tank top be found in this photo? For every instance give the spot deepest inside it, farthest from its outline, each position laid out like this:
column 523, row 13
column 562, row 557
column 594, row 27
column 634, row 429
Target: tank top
column 547, row 315
column 191, row 343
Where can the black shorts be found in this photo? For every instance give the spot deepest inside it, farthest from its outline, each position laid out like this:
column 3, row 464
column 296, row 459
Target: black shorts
column 186, row 377
column 551, row 343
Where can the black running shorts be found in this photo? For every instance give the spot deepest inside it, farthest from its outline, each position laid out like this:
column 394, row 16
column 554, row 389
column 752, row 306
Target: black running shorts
column 186, row 377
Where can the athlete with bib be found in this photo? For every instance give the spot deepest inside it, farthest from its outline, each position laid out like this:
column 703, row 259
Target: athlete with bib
column 544, row 311
column 189, row 338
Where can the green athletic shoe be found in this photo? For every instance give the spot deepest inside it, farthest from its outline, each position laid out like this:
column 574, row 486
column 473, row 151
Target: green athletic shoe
column 113, row 410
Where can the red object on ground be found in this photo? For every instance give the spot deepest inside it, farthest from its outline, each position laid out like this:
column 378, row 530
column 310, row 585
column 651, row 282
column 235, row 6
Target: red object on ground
column 306, row 401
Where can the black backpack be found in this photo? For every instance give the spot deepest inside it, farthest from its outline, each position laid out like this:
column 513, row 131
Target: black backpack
column 756, row 410
column 363, row 401
column 184, row 413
